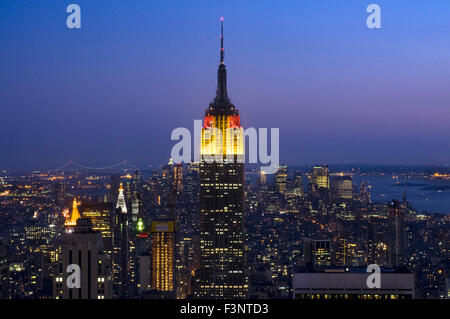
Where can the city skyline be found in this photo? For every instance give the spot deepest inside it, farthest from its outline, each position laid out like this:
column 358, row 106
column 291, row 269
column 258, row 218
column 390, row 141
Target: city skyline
column 339, row 92
column 224, row 218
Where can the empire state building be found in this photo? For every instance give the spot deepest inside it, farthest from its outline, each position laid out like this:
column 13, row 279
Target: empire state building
column 222, row 260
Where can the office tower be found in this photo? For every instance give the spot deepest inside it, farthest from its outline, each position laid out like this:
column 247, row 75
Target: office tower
column 281, row 179
column 60, row 195
column 121, row 255
column 71, row 220
column 4, row 276
column 40, row 259
column 341, row 252
column 317, row 252
column 137, row 182
column 350, row 283
column 222, row 262
column 114, row 185
column 101, row 216
column 342, row 187
column 178, row 177
column 142, row 256
column 396, row 218
column 346, row 253
column 261, row 282
column 163, row 255
column 121, row 247
column 320, row 176
column 83, row 247
column 167, row 174
column 186, row 264
column 377, row 249
column 136, row 227
column 145, row 282
column 298, row 184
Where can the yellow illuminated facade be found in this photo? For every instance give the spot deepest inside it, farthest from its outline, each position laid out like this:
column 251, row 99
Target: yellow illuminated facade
column 163, row 248
column 101, row 216
column 72, row 221
column 222, row 137
column 321, row 177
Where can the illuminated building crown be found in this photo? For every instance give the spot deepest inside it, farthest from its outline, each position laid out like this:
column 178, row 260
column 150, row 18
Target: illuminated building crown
column 121, row 200
column 72, row 221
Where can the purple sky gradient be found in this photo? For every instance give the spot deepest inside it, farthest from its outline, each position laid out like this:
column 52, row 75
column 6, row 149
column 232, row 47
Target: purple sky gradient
column 114, row 90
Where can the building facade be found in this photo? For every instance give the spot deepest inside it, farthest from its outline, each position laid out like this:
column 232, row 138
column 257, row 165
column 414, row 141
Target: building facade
column 351, row 283
column 83, row 248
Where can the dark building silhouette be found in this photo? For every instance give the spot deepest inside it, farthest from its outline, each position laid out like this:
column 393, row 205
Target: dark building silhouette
column 83, row 247
column 396, row 219
column 4, row 277
column 317, row 252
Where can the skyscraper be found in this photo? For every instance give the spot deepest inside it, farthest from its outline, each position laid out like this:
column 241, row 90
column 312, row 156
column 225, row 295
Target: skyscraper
column 396, row 219
column 320, row 176
column 281, row 179
column 222, row 262
column 101, row 215
column 114, row 188
column 163, row 255
column 121, row 200
column 4, row 280
column 342, row 187
column 377, row 250
column 83, row 247
column 317, row 252
column 121, row 247
column 60, row 194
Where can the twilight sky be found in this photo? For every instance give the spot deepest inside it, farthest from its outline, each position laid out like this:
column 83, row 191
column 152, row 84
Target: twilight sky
column 115, row 89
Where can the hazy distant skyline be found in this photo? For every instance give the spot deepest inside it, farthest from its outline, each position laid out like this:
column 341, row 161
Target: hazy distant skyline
column 114, row 90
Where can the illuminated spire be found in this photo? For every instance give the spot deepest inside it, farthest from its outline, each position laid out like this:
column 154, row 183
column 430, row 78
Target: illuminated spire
column 222, row 99
column 222, row 51
column 121, row 200
column 75, row 214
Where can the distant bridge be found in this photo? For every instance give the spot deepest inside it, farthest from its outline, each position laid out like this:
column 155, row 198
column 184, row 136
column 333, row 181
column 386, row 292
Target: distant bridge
column 41, row 194
column 71, row 165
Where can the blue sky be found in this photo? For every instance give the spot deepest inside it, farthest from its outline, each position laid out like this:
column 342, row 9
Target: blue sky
column 115, row 89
